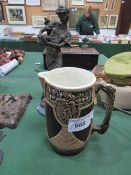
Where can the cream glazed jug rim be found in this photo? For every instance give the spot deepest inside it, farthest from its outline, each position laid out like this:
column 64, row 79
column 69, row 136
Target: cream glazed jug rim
column 69, row 78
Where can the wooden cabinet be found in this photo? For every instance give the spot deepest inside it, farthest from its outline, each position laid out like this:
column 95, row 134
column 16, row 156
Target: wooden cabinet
column 85, row 58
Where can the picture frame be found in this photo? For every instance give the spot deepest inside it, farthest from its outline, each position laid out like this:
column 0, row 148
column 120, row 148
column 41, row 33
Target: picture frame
column 38, row 21
column 33, row 2
column 112, row 24
column 77, row 2
column 106, row 4
column 112, row 4
column 18, row 2
column 1, row 14
column 51, row 5
column 94, row 0
column 16, row 15
column 96, row 13
column 75, row 14
column 54, row 18
column 103, row 21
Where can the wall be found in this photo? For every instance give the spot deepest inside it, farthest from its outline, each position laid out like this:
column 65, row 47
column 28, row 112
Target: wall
column 30, row 10
column 38, row 11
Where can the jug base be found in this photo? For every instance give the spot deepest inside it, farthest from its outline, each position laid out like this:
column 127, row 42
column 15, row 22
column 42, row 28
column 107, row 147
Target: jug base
column 68, row 152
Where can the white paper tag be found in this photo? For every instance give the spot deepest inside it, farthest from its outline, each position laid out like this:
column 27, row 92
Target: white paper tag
column 80, row 123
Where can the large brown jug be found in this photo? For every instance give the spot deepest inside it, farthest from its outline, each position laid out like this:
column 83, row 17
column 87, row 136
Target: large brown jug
column 69, row 95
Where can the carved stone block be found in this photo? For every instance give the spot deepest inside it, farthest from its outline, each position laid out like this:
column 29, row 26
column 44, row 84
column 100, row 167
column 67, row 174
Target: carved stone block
column 12, row 108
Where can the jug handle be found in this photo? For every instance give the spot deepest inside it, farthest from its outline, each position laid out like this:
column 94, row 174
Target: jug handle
column 110, row 91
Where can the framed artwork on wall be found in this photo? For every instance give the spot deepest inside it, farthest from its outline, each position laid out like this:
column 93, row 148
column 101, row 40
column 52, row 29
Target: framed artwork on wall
column 94, row 0
column 16, row 1
column 16, row 15
column 77, row 2
column 113, row 21
column 95, row 12
column 38, row 21
column 54, row 18
column 75, row 14
column 1, row 14
column 51, row 5
column 33, row 2
column 106, row 4
column 112, row 5
column 103, row 21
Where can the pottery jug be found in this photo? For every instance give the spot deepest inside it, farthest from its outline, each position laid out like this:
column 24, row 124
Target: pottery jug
column 69, row 95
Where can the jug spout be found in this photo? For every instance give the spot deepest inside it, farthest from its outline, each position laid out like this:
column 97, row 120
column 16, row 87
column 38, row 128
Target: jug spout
column 42, row 76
